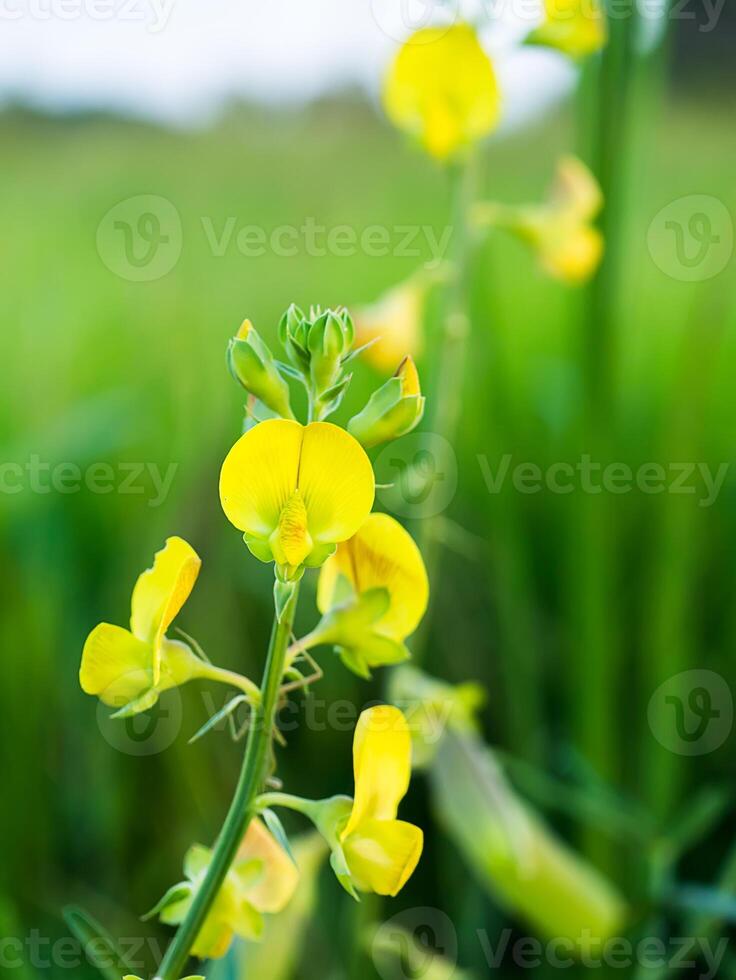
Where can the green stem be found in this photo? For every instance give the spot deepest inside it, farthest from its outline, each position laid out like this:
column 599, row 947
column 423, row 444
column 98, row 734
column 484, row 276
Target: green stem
column 445, row 396
column 242, row 808
column 296, row 803
column 244, row 684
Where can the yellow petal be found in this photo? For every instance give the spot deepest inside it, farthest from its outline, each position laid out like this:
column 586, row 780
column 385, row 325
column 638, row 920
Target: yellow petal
column 573, row 253
column 442, row 89
column 259, row 475
column 161, row 591
column 576, row 27
column 381, row 764
column 394, row 322
column 575, row 191
column 382, row 854
column 381, row 555
column 116, row 666
column 336, row 481
column 273, row 888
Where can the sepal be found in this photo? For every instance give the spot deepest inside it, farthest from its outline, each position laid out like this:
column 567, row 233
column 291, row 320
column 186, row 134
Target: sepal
column 252, row 365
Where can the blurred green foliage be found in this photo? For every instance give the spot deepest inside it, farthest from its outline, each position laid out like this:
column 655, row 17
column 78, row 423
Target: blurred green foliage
column 100, row 369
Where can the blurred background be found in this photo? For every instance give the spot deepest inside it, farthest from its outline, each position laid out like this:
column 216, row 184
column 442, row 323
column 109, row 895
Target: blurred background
column 573, row 609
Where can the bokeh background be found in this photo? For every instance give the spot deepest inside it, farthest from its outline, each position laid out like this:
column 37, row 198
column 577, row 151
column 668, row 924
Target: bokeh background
column 571, row 609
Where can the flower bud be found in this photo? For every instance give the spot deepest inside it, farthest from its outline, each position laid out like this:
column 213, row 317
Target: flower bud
column 330, row 338
column 393, row 410
column 252, row 364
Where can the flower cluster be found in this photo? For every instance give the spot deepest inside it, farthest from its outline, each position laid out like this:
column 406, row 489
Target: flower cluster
column 301, row 493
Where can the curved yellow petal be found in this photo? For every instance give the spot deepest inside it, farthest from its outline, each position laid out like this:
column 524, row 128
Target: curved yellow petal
column 442, row 89
column 382, row 554
column 572, row 253
column 575, row 27
column 394, row 323
column 161, row 591
column 382, row 854
column 381, row 764
column 336, row 482
column 259, row 475
column 273, row 888
column 575, row 190
column 116, row 666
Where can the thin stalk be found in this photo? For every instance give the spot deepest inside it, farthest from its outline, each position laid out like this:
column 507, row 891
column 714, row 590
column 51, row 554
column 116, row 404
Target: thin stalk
column 244, row 684
column 242, row 808
column 445, row 395
column 596, row 642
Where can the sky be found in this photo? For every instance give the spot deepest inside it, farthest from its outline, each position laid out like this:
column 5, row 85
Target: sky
column 179, row 61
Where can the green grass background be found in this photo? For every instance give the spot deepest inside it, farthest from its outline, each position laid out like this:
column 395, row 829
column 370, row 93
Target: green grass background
column 95, row 368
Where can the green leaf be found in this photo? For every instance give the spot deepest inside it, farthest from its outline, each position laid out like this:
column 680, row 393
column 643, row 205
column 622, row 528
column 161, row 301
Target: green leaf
column 104, row 954
column 177, row 893
column 274, row 824
column 219, row 716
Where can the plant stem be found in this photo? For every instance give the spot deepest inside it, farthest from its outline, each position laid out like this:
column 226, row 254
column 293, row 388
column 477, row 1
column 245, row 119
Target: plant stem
column 244, row 684
column 445, row 396
column 242, row 808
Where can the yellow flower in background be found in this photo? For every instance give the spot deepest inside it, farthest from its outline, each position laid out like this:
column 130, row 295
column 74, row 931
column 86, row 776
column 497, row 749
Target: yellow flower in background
column 575, row 27
column 380, row 851
column 394, row 324
column 262, row 879
column 442, row 89
column 296, row 491
column 561, row 231
column 128, row 669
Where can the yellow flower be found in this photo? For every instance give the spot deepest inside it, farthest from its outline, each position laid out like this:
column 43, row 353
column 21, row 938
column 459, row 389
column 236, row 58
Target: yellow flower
column 380, row 852
column 372, row 851
column 394, row 324
column 569, row 246
column 296, row 491
column 381, row 555
column 575, row 27
column 262, row 879
column 128, row 669
column 441, row 89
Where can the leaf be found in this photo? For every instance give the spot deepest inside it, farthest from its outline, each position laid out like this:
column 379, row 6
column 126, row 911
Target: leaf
column 274, row 824
column 177, row 893
column 104, row 954
column 288, row 371
column 219, row 716
column 359, row 350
